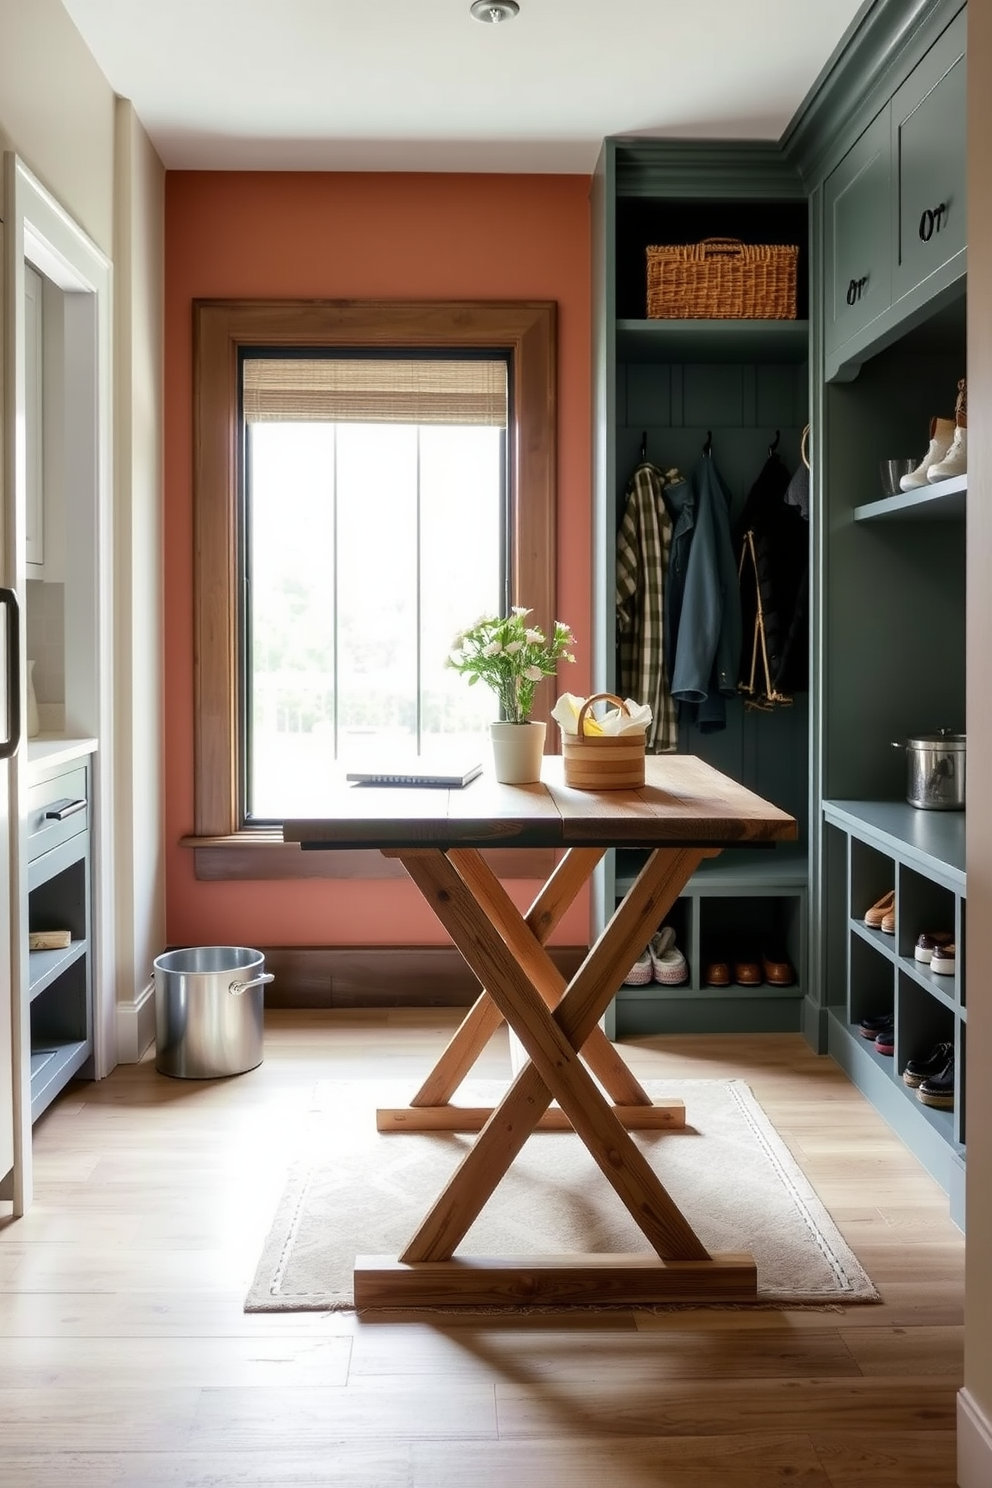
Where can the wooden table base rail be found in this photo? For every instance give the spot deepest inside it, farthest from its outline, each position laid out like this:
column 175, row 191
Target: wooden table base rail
column 522, row 1281
column 664, row 1116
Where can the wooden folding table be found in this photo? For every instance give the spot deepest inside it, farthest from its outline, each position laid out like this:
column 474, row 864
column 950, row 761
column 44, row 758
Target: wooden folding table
column 685, row 812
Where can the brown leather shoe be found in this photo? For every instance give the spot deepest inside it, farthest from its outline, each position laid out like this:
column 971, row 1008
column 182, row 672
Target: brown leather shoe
column 716, row 973
column 876, row 914
column 747, row 973
column 778, row 971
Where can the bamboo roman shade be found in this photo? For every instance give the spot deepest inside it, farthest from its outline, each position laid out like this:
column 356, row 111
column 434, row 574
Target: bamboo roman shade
column 375, row 390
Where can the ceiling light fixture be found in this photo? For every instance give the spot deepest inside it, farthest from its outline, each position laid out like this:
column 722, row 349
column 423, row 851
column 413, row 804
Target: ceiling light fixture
column 494, row 11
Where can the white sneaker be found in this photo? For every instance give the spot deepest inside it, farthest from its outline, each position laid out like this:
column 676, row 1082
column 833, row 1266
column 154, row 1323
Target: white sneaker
column 642, row 970
column 942, row 432
column 955, row 462
column 669, row 966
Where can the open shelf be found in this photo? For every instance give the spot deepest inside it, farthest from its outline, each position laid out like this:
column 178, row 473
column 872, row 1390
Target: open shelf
column 944, row 501
column 933, row 841
column 52, row 1067
column 735, row 871
column 45, row 967
column 698, row 341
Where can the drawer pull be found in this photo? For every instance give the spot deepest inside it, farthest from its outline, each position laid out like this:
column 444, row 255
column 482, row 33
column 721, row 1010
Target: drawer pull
column 59, row 810
column 932, row 221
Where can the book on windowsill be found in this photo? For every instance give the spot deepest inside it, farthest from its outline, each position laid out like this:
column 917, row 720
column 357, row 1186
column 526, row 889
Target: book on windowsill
column 447, row 774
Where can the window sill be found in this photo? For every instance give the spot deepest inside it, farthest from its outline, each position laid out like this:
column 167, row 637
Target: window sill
column 264, row 855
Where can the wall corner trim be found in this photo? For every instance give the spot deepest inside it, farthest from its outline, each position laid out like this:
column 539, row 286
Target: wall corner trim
column 136, row 1025
column 974, row 1443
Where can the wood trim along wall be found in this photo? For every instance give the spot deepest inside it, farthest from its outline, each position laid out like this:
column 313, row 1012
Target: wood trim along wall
column 381, row 976
column 528, row 329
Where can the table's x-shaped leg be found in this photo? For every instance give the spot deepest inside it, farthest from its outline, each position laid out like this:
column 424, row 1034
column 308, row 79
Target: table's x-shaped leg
column 429, row 1109
column 506, row 954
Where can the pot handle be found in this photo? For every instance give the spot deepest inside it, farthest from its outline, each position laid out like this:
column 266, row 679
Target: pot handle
column 897, row 745
column 236, row 988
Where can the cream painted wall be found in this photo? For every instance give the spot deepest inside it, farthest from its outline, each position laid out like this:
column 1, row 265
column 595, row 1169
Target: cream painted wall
column 60, row 114
column 57, row 112
column 139, row 289
column 978, row 1323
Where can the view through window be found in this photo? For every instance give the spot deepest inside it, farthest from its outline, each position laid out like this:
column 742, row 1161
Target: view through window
column 375, row 518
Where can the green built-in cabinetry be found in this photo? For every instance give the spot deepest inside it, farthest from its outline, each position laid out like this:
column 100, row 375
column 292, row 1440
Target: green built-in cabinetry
column 869, row 180
column 890, row 639
column 894, row 209
column 669, row 388
column 872, row 847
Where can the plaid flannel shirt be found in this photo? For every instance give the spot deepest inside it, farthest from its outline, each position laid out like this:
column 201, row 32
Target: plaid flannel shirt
column 643, row 544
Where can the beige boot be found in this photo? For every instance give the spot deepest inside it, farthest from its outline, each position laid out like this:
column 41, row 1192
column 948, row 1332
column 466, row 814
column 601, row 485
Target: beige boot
column 942, row 431
column 955, row 462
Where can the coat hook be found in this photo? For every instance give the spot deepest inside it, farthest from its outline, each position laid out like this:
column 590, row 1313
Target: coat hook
column 644, row 446
column 708, row 446
column 774, row 444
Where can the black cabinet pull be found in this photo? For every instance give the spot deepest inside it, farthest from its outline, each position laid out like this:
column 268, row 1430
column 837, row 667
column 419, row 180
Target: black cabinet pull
column 932, row 221
column 12, row 729
column 856, row 289
column 59, row 810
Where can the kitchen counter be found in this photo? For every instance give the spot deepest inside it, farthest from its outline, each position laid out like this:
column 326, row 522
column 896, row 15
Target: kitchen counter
column 57, row 749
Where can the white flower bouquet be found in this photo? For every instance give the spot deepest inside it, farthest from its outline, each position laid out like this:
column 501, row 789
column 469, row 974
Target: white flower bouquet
column 511, row 657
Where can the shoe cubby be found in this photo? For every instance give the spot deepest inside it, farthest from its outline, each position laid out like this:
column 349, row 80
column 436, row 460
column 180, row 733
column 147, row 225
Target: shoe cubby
column 871, row 979
column 920, row 855
column 872, row 875
column 746, row 904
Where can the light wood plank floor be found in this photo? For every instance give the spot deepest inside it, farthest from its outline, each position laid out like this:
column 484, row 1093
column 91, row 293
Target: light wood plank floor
column 126, row 1358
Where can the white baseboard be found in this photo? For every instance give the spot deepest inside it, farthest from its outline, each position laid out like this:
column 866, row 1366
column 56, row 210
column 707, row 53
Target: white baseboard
column 974, row 1444
column 136, row 1026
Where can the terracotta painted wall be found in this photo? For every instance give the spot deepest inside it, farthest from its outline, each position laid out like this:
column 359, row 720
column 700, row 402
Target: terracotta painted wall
column 352, row 237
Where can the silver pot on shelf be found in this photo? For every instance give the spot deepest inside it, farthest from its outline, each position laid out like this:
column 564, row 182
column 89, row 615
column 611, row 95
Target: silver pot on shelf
column 935, row 770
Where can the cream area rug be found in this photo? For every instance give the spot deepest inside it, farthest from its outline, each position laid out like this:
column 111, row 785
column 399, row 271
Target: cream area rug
column 352, row 1191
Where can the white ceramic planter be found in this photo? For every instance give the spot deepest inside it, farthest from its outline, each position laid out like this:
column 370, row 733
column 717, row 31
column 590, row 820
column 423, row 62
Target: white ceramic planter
column 517, row 751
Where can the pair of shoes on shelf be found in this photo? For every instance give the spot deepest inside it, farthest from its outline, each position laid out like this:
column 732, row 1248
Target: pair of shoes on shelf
column 929, row 942
column 668, row 965
column 943, row 961
column 947, row 454
column 933, row 1077
column 880, row 1029
column 660, row 961
column 749, row 970
column 641, row 972
column 882, row 914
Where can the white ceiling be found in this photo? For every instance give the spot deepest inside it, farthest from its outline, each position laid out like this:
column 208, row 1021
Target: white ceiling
column 421, row 85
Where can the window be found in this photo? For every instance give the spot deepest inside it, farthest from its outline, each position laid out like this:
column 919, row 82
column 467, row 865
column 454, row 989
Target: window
column 225, row 332
column 374, row 521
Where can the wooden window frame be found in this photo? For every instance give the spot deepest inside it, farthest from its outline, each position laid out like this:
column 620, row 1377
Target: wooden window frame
column 225, row 847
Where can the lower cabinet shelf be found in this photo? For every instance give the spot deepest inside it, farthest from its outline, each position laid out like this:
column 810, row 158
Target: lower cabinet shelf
column 45, row 967
column 874, row 849
column 52, row 1067
column 739, row 908
column 59, row 981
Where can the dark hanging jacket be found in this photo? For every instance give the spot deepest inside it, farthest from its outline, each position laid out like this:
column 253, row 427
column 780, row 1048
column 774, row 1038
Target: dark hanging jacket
column 707, row 629
column 771, row 537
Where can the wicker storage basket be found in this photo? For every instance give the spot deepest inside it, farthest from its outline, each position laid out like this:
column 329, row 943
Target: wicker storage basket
column 722, row 278
column 599, row 762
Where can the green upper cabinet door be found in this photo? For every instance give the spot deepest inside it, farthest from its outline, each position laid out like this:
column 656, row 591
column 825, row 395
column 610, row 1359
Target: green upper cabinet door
column 858, row 230
column 928, row 137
